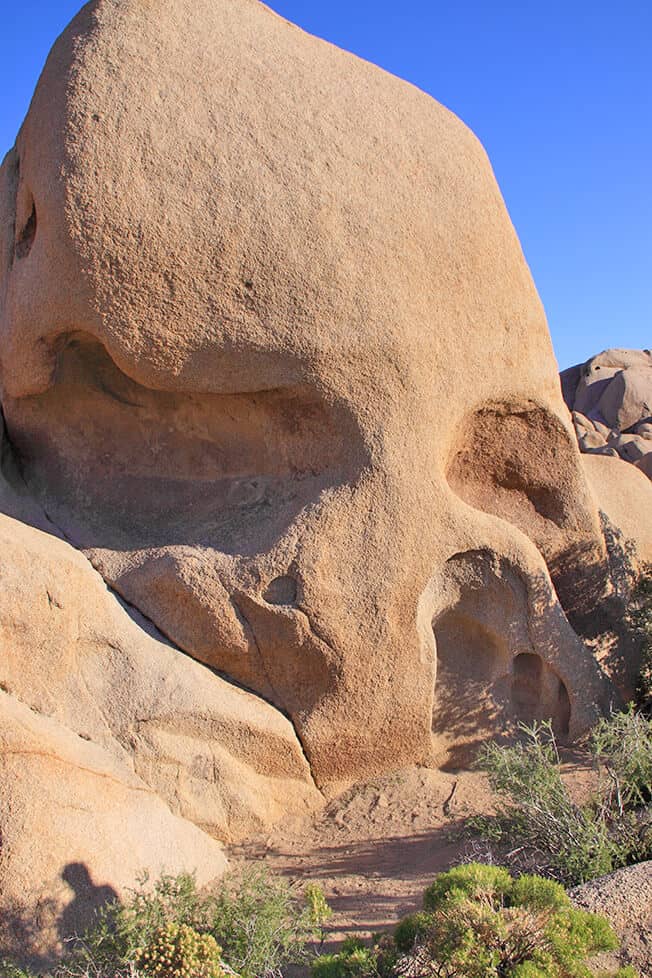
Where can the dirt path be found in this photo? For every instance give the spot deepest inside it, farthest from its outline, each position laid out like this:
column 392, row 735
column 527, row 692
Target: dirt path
column 376, row 847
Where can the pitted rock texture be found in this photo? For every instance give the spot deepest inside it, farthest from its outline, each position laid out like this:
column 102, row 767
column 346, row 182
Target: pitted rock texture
column 118, row 754
column 610, row 397
column 625, row 897
column 271, row 359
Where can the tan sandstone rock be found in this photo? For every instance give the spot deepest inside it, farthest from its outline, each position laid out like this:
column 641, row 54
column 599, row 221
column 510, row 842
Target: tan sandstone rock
column 627, row 400
column 591, row 439
column 645, row 464
column 223, row 366
column 216, row 754
column 66, row 805
column 625, row 496
column 184, row 750
column 272, row 359
column 631, row 448
column 584, row 385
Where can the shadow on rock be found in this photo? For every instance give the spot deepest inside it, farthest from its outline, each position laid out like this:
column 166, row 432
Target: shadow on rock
column 88, row 898
column 22, row 931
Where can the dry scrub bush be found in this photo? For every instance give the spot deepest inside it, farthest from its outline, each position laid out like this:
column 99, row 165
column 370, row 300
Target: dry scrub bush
column 173, row 930
column 572, row 842
column 479, row 922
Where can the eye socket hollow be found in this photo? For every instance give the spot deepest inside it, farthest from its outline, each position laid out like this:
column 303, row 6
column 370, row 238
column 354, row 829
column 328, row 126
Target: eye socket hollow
column 25, row 239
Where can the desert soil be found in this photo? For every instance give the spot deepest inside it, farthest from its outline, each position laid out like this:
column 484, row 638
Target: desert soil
column 375, row 848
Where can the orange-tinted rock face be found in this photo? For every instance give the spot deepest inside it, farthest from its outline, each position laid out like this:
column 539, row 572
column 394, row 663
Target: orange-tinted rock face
column 271, row 356
column 272, row 359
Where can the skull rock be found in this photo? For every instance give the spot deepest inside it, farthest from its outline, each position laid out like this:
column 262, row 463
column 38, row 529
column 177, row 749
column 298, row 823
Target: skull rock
column 272, row 357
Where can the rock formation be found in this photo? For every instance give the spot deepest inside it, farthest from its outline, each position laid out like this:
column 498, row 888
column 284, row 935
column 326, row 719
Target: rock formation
column 611, row 399
column 273, row 364
column 625, row 897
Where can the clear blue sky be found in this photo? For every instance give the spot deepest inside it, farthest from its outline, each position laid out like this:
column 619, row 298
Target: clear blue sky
column 560, row 93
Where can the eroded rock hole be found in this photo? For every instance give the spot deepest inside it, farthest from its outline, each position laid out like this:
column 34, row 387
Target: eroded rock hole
column 488, row 680
column 518, row 462
column 472, row 665
column 507, row 465
column 539, row 694
column 282, row 591
column 25, row 238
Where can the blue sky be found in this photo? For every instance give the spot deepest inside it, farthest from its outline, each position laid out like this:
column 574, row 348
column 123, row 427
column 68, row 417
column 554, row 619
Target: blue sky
column 560, row 93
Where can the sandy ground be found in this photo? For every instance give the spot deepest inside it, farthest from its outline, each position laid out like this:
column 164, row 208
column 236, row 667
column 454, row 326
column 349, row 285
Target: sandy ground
column 375, row 848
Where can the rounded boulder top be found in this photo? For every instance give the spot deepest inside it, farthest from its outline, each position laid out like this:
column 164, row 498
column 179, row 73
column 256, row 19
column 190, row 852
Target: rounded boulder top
column 224, row 201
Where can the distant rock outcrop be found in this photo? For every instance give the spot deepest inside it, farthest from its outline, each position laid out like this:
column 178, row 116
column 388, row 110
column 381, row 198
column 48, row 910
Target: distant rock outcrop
column 610, row 397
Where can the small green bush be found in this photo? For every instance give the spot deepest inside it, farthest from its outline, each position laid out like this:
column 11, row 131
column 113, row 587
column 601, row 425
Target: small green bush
column 622, row 746
column 469, row 882
column 350, row 962
column 357, row 960
column 495, row 925
column 573, row 843
column 260, row 923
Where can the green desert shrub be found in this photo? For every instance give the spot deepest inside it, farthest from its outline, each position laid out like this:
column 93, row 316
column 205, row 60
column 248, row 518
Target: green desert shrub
column 536, row 811
column 179, row 951
column 572, row 842
column 261, row 925
column 354, row 960
column 638, row 620
column 480, row 922
column 251, row 924
column 622, row 748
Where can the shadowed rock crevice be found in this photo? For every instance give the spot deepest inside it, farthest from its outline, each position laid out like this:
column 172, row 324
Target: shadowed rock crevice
column 490, row 674
column 119, row 464
column 26, row 236
column 506, row 465
column 538, row 693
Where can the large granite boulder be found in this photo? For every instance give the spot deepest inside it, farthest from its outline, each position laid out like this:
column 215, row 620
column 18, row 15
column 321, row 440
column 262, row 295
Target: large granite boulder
column 118, row 755
column 272, row 362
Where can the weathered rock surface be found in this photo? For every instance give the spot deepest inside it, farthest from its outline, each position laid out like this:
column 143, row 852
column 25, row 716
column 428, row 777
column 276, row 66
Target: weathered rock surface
column 140, row 756
column 67, row 804
column 624, row 495
column 272, row 360
column 611, row 399
column 625, row 897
